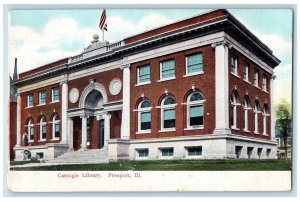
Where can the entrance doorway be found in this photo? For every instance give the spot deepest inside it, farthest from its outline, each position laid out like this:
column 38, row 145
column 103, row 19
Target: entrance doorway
column 101, row 133
column 77, row 133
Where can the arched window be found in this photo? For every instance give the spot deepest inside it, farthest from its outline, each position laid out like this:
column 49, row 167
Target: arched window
column 43, row 128
column 144, row 116
column 246, row 107
column 55, row 127
column 30, row 130
column 168, row 114
column 195, row 111
column 265, row 115
column 256, row 111
column 234, row 104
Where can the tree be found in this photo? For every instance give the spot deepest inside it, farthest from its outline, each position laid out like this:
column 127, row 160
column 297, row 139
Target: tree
column 284, row 121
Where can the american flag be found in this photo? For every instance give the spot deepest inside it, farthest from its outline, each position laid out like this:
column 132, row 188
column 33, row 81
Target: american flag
column 102, row 23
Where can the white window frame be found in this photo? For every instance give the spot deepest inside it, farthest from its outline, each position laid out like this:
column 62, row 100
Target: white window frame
column 256, row 112
column 235, row 64
column 255, row 78
column 160, row 71
column 264, row 83
column 234, row 105
column 265, row 115
column 52, row 95
column 55, row 122
column 40, row 98
column 29, row 126
column 186, row 65
column 246, row 73
column 246, row 107
column 194, row 103
column 162, row 109
column 138, row 75
column 43, row 123
column 140, row 111
column 29, row 95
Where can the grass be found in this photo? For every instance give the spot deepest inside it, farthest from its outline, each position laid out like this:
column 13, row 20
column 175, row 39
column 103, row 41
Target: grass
column 22, row 162
column 193, row 165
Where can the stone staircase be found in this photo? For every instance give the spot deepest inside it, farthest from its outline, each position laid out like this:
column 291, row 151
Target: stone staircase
column 82, row 157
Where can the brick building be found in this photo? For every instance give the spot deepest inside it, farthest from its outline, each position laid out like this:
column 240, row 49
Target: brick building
column 198, row 88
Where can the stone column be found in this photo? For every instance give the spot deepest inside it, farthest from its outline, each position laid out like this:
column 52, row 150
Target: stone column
column 19, row 137
column 272, row 108
column 106, row 117
column 70, row 133
column 125, row 125
column 84, row 132
column 221, row 87
column 64, row 108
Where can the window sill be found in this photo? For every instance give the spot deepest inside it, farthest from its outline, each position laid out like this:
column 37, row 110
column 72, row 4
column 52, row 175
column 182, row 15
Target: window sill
column 235, row 75
column 143, row 132
column 41, row 105
column 265, row 91
column 143, row 83
column 194, row 128
column 30, row 141
column 257, row 87
column 166, row 79
column 192, row 74
column 54, row 102
column 264, row 134
column 42, row 140
column 29, row 107
column 256, row 133
column 54, row 139
column 235, row 128
column 166, row 130
column 247, row 81
column 246, row 131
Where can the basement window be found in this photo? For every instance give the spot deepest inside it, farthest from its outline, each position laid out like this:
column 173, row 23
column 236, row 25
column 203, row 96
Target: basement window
column 143, row 153
column 194, row 151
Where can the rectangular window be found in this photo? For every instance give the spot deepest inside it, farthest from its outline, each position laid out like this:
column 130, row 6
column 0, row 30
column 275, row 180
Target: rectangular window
column 255, row 78
column 268, row 152
column 55, row 94
column 194, row 64
column 246, row 72
column 194, row 151
column 259, row 151
column 264, row 86
column 238, row 151
column 169, row 118
column 234, row 64
column 143, row 152
column 145, row 120
column 167, row 152
column 43, row 132
column 42, row 98
column 167, row 69
column 249, row 152
column 31, row 133
column 196, row 115
column 56, row 131
column 143, row 74
column 30, row 100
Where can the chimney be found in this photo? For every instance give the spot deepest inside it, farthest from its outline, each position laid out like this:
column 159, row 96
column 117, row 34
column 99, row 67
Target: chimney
column 15, row 77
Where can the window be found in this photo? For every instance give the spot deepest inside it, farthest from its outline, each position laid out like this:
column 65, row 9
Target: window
column 195, row 113
column 259, row 151
column 167, row 152
column 43, row 128
column 168, row 113
column 268, row 152
column 55, row 127
column 234, row 64
column 246, row 72
column 246, row 107
column 234, row 104
column 144, row 116
column 249, row 152
column 255, row 78
column 238, row 151
column 265, row 115
column 143, row 74
column 143, row 152
column 167, row 69
column 55, row 94
column 30, row 130
column 264, row 84
column 194, row 64
column 42, row 98
column 30, row 100
column 256, row 111
column 194, row 151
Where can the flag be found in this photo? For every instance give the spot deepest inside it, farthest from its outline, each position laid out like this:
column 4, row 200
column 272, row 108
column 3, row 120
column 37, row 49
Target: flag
column 102, row 23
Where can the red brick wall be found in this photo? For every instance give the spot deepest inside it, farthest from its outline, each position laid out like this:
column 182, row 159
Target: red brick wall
column 253, row 92
column 103, row 78
column 36, row 111
column 12, row 128
column 115, row 124
column 41, row 68
column 187, row 22
column 178, row 87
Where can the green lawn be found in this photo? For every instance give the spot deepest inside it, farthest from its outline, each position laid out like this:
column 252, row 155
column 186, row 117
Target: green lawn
column 197, row 165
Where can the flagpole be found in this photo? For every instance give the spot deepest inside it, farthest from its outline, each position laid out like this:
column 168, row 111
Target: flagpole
column 103, row 35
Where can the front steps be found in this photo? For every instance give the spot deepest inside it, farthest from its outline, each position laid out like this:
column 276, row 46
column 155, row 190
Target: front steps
column 82, row 157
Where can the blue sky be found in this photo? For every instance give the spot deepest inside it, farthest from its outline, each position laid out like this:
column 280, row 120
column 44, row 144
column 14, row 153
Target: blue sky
column 37, row 37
